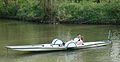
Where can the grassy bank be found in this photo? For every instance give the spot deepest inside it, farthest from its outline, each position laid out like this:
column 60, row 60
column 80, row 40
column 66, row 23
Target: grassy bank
column 64, row 11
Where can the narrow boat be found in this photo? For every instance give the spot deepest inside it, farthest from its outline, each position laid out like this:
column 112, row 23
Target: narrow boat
column 58, row 45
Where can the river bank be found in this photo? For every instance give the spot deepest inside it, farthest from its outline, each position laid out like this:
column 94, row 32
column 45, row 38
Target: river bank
column 41, row 21
column 62, row 12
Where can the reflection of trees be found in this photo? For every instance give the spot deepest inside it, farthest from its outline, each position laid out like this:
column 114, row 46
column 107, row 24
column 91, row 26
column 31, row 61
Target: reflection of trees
column 65, row 36
column 52, row 57
column 115, row 51
column 115, row 32
column 115, row 35
column 89, row 55
column 70, row 57
column 17, row 33
column 35, row 34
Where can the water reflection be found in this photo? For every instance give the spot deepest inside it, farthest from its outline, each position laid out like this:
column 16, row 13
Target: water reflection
column 19, row 33
column 99, row 54
column 115, row 51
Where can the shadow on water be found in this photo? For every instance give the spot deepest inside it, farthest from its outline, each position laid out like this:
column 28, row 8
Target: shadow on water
column 52, row 52
column 99, row 54
column 79, row 55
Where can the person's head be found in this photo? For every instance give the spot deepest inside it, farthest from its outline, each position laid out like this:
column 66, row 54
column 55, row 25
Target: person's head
column 78, row 36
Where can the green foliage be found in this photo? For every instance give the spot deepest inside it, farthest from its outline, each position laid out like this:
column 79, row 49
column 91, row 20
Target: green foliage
column 107, row 11
column 93, row 12
column 8, row 9
column 30, row 9
column 113, row 12
column 22, row 9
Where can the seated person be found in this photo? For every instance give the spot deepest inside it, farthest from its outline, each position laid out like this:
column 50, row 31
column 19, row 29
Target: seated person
column 79, row 40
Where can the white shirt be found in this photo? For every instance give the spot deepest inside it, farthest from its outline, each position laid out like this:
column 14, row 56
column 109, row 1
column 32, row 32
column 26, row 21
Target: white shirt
column 76, row 39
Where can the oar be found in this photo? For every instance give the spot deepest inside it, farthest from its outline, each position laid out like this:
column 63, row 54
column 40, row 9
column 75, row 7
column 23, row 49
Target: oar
column 109, row 35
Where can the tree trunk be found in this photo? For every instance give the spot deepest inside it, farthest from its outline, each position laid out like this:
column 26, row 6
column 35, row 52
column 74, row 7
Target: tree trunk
column 109, row 1
column 77, row 1
column 98, row 1
column 49, row 9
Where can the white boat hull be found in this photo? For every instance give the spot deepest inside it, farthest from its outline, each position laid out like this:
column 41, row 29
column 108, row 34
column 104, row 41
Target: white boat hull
column 49, row 47
column 41, row 49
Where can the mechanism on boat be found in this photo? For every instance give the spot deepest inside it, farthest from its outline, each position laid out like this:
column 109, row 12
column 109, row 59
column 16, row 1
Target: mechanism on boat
column 57, row 42
column 69, row 44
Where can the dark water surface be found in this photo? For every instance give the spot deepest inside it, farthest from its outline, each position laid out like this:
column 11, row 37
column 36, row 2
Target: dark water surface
column 22, row 33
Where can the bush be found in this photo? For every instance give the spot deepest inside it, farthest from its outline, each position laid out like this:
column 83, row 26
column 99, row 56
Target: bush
column 30, row 9
column 89, row 11
column 71, row 10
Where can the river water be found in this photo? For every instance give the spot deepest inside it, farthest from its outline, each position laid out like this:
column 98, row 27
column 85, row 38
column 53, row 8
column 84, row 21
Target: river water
column 23, row 33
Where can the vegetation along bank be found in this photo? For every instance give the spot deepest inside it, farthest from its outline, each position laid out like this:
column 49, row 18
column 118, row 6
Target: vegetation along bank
column 62, row 11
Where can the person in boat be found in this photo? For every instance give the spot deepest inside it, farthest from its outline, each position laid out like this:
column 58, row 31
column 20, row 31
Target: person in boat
column 79, row 39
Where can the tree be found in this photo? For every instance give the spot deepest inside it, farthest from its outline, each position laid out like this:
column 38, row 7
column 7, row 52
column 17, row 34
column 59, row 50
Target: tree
column 5, row 3
column 98, row 1
column 109, row 1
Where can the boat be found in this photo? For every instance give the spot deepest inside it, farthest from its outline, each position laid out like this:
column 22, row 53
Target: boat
column 57, row 45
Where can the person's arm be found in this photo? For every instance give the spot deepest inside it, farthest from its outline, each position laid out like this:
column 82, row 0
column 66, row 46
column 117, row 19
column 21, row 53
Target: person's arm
column 82, row 38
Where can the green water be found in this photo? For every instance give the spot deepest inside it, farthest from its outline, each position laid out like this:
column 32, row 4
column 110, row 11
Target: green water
column 23, row 33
